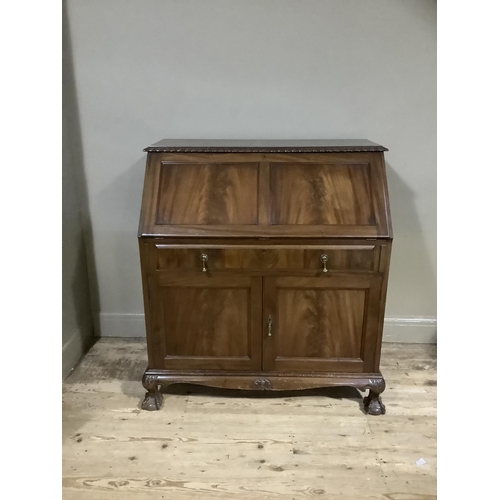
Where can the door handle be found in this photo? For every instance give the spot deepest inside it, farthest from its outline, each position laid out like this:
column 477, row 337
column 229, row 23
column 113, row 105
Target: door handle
column 269, row 326
column 324, row 260
column 204, row 260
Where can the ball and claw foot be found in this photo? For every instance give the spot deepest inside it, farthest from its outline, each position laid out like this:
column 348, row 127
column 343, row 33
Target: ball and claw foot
column 373, row 404
column 152, row 401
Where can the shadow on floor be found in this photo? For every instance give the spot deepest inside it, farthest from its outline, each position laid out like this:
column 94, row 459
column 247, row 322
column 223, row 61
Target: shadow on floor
column 198, row 390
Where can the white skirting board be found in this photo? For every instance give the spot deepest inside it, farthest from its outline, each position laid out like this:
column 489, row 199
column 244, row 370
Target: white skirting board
column 414, row 330
column 74, row 349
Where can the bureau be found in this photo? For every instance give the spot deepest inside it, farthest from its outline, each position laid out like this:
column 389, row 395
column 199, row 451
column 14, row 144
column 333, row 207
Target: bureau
column 265, row 265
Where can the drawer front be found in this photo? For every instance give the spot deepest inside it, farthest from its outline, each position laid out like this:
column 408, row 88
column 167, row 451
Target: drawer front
column 310, row 258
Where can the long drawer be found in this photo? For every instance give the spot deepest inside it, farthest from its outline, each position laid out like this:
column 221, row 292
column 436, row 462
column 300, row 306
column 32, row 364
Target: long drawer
column 255, row 258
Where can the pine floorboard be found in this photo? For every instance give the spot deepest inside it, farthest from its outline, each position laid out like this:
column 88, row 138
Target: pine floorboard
column 220, row 444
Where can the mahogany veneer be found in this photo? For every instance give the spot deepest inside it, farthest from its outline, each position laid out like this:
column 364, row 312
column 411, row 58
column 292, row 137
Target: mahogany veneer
column 265, row 265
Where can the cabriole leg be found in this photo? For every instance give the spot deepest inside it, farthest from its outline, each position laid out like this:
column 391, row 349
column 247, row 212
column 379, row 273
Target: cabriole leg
column 373, row 403
column 153, row 398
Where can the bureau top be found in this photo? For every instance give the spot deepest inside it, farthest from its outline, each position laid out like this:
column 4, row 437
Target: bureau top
column 263, row 146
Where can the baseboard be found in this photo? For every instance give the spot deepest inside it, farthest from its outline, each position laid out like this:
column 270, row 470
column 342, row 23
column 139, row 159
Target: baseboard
column 73, row 350
column 412, row 330
column 415, row 330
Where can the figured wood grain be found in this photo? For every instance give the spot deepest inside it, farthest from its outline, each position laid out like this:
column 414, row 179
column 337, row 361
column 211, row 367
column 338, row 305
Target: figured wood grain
column 228, row 201
column 319, row 323
column 321, row 194
column 323, row 323
column 208, row 194
column 205, row 322
column 264, row 257
column 216, row 323
column 213, row 443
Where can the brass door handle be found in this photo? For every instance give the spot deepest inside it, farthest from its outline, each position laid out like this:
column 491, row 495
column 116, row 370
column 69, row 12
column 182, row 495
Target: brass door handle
column 269, row 326
column 324, row 260
column 204, row 260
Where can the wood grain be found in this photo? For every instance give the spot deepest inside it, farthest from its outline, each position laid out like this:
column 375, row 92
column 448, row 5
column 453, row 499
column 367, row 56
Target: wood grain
column 264, row 257
column 262, row 231
column 340, row 194
column 320, row 323
column 321, row 194
column 208, row 194
column 207, row 327
column 325, row 323
column 205, row 322
column 221, row 444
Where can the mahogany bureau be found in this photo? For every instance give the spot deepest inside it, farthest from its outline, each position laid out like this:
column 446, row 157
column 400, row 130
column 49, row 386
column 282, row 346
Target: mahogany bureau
column 265, row 265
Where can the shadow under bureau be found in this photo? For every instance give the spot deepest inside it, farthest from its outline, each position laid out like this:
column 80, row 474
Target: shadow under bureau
column 265, row 265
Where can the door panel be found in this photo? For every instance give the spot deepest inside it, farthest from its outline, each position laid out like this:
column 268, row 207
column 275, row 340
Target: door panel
column 320, row 323
column 207, row 322
column 308, row 317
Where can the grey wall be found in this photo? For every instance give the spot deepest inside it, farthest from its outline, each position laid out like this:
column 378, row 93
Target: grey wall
column 77, row 327
column 152, row 69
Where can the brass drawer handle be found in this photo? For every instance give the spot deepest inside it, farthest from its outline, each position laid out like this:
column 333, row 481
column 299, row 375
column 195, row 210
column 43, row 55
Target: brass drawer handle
column 204, row 260
column 324, row 260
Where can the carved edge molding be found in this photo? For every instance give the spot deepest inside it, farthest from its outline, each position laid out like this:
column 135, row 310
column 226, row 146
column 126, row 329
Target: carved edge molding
column 346, row 149
column 151, row 381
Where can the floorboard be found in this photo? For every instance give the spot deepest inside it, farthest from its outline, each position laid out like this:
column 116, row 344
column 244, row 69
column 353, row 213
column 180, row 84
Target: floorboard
column 216, row 444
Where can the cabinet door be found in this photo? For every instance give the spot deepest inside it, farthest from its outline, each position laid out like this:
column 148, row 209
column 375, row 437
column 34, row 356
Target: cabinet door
column 321, row 324
column 205, row 322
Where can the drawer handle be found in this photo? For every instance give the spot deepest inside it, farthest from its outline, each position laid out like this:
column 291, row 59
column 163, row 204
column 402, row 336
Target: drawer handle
column 204, row 260
column 324, row 260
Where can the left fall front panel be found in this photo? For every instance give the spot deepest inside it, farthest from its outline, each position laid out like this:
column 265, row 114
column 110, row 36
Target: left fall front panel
column 207, row 194
column 205, row 322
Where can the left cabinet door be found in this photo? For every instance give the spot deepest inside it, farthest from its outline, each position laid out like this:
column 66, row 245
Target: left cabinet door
column 205, row 322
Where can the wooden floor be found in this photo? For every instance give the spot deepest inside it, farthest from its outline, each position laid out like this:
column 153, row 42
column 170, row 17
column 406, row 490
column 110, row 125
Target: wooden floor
column 208, row 443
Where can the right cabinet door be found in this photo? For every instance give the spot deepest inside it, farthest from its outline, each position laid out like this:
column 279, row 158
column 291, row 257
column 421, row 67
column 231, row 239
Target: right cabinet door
column 328, row 323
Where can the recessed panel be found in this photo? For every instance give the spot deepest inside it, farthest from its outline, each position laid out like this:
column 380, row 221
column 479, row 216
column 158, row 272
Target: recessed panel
column 320, row 323
column 207, row 322
column 208, row 194
column 319, row 194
